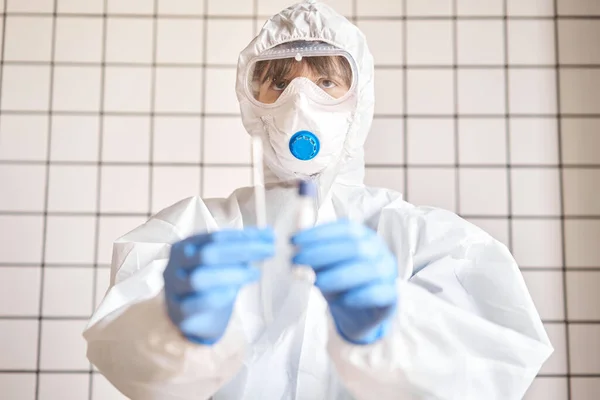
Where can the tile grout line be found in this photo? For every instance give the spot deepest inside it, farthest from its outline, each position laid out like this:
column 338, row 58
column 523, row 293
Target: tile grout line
column 107, row 266
column 507, row 120
column 265, row 17
column 405, row 130
column 2, row 62
column 153, row 75
column 203, row 99
column 46, row 198
column 562, row 200
column 193, row 65
column 254, row 17
column 456, row 125
column 184, row 164
column 99, row 171
column 86, row 318
column 128, row 214
column 593, row 116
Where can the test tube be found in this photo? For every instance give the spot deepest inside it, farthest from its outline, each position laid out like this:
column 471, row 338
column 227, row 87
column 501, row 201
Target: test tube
column 306, row 218
column 258, row 182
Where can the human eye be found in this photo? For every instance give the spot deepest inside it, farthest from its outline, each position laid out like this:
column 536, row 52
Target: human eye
column 279, row 85
column 327, row 84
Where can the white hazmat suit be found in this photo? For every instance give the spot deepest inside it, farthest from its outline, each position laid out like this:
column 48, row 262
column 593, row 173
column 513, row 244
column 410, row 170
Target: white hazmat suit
column 466, row 327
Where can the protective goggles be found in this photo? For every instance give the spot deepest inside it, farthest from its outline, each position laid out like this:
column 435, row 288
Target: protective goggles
column 331, row 69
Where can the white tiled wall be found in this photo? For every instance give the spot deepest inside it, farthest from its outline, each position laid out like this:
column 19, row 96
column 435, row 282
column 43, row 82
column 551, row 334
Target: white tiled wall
column 138, row 111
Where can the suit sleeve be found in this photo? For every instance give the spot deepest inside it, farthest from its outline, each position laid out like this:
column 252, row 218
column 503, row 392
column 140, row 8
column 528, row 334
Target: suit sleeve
column 466, row 326
column 130, row 338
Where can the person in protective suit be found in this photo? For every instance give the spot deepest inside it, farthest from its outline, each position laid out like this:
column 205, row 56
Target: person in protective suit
column 407, row 302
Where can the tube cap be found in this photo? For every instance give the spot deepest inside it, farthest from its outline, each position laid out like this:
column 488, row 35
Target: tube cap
column 307, row 189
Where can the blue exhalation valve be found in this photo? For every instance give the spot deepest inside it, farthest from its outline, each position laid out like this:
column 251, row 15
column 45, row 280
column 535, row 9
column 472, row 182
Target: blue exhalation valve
column 304, row 145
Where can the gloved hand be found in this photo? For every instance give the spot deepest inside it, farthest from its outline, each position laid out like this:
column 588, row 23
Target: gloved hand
column 356, row 273
column 205, row 273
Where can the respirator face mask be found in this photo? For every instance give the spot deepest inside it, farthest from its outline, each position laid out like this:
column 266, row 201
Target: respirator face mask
column 304, row 94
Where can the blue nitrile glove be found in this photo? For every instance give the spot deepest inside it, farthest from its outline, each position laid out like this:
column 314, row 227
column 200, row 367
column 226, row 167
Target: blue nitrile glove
column 356, row 273
column 205, row 273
